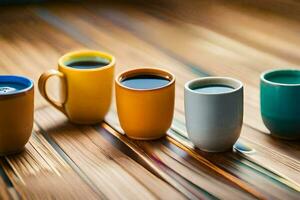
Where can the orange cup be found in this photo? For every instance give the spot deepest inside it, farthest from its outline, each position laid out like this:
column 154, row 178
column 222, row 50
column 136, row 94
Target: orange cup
column 145, row 114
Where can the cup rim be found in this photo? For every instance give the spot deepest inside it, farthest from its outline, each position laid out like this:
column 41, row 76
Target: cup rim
column 144, row 71
column 264, row 74
column 18, row 79
column 62, row 59
column 216, row 78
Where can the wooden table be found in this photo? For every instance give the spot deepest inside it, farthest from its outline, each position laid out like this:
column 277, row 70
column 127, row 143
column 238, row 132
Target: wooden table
column 239, row 39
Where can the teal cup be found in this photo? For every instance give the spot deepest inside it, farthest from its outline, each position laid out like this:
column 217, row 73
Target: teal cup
column 280, row 102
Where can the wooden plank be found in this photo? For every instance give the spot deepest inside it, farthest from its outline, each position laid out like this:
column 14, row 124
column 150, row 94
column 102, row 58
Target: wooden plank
column 40, row 172
column 108, row 168
column 280, row 184
column 135, row 170
column 192, row 178
column 266, row 31
column 4, row 193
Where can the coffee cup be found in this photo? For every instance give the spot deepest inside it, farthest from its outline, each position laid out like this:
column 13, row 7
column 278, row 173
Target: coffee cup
column 87, row 80
column 16, row 118
column 280, row 102
column 213, row 112
column 145, row 102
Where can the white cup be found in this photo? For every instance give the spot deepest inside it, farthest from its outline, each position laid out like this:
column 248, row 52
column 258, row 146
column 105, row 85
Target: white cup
column 213, row 120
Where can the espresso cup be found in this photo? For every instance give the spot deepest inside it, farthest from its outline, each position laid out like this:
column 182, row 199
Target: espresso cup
column 280, row 102
column 145, row 102
column 87, row 79
column 213, row 112
column 16, row 118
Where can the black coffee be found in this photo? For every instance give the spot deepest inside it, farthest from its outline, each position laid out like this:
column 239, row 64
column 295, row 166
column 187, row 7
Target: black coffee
column 145, row 82
column 88, row 64
column 213, row 89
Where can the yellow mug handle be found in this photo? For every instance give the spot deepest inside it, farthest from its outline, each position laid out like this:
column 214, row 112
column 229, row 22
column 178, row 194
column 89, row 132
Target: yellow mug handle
column 42, row 88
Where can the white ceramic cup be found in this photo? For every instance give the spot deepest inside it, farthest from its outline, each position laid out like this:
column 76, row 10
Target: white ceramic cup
column 214, row 120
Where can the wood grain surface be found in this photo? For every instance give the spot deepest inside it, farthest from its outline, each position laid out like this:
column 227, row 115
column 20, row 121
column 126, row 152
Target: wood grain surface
column 191, row 39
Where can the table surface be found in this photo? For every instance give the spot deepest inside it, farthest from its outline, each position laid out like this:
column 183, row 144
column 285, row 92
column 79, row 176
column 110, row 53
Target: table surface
column 239, row 39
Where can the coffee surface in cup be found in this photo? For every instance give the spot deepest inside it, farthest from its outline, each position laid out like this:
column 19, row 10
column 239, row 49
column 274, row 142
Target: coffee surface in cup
column 88, row 64
column 285, row 78
column 213, row 89
column 8, row 88
column 145, row 82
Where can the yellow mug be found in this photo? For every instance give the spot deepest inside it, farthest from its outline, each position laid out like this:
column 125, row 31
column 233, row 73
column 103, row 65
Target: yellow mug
column 145, row 113
column 16, row 113
column 87, row 89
